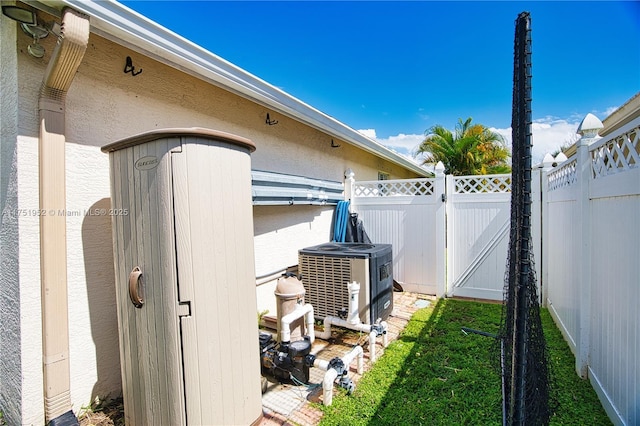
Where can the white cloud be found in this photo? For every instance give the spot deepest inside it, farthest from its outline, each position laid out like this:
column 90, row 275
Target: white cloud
column 609, row 111
column 549, row 134
column 370, row 133
column 402, row 144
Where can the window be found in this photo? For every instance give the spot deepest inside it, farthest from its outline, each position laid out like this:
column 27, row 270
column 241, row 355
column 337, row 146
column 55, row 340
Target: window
column 382, row 189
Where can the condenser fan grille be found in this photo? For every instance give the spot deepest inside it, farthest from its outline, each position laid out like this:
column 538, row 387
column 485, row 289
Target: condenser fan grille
column 325, row 281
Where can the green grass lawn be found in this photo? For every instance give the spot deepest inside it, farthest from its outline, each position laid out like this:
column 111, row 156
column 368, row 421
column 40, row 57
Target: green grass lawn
column 434, row 374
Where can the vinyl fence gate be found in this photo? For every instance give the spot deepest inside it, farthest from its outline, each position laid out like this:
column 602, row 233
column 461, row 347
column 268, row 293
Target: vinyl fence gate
column 450, row 234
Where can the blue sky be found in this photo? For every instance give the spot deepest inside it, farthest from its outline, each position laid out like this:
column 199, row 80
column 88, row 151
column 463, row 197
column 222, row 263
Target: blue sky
column 394, row 69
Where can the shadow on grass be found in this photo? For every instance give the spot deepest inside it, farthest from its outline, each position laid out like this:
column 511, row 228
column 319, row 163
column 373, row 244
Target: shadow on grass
column 447, row 376
column 435, row 374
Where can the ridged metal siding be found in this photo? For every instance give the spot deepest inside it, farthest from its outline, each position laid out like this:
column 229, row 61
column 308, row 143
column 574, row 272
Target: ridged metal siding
column 274, row 189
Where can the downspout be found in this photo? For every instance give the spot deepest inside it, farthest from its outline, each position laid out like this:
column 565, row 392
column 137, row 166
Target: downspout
column 58, row 76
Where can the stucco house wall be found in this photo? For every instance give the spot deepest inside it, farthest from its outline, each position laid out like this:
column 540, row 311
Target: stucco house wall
column 103, row 105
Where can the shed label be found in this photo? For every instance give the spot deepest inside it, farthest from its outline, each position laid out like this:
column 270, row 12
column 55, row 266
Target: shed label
column 146, row 163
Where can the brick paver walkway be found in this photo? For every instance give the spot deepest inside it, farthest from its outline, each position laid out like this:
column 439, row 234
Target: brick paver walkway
column 289, row 405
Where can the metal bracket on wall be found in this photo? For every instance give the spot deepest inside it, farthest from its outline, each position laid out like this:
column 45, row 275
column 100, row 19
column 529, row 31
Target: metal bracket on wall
column 269, row 121
column 128, row 67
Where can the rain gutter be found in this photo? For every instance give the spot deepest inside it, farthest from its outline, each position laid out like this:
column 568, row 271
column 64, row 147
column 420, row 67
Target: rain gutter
column 124, row 26
column 58, row 77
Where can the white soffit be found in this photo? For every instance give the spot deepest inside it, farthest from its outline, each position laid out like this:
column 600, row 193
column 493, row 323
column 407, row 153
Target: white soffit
column 122, row 25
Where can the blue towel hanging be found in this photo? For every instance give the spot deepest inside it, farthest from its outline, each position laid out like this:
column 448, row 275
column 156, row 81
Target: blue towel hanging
column 342, row 218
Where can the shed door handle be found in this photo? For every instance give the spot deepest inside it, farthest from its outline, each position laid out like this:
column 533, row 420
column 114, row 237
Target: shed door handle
column 136, row 292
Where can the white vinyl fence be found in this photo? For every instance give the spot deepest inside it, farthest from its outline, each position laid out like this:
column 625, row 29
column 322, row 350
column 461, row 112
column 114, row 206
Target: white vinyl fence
column 450, row 238
column 410, row 215
column 591, row 281
column 478, row 218
column 449, row 234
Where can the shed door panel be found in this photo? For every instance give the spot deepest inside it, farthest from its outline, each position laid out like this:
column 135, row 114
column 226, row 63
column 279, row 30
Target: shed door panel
column 216, row 278
column 143, row 225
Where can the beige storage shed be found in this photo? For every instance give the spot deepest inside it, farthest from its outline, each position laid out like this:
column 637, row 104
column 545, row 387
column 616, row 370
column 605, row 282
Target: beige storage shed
column 185, row 281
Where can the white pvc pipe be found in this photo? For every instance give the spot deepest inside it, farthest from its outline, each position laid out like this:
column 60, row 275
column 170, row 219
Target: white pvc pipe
column 349, row 357
column 354, row 290
column 300, row 311
column 325, row 334
column 372, row 345
column 385, row 339
column 353, row 322
column 331, row 375
column 329, row 321
column 310, row 321
column 321, row 364
column 327, row 386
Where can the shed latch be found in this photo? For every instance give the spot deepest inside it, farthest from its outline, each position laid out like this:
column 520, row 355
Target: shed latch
column 184, row 309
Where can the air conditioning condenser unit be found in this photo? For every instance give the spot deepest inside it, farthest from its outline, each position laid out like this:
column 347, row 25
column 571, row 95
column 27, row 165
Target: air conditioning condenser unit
column 326, row 269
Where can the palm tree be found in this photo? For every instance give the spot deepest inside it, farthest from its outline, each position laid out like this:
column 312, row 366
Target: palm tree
column 472, row 149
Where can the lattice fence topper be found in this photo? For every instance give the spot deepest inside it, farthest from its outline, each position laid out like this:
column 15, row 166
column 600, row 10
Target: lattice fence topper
column 482, row 184
column 619, row 154
column 390, row 188
column 564, row 176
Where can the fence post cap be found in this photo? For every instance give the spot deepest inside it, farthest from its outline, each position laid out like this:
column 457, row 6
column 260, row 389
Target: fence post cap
column 589, row 126
column 349, row 173
column 560, row 158
column 548, row 160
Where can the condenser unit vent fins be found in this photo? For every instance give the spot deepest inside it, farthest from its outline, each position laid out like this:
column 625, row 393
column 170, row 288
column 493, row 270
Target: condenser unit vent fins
column 325, row 281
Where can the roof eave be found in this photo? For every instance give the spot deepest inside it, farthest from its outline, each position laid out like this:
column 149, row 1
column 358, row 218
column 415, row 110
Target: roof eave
column 122, row 25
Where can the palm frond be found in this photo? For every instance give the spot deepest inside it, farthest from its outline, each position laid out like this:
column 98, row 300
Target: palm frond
column 469, row 149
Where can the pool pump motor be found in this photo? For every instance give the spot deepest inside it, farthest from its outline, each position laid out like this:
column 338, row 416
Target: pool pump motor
column 288, row 362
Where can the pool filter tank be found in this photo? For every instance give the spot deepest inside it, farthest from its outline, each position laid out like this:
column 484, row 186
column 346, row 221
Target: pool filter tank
column 288, row 358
